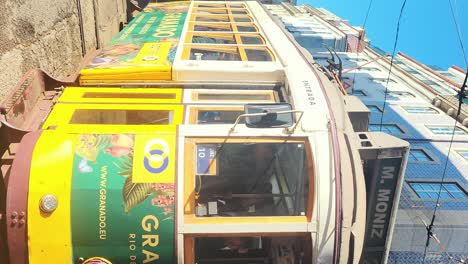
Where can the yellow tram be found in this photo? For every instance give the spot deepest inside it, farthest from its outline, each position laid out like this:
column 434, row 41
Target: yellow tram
column 201, row 134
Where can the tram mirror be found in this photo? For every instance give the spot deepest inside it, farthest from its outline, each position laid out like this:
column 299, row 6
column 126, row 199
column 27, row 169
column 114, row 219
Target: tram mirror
column 275, row 115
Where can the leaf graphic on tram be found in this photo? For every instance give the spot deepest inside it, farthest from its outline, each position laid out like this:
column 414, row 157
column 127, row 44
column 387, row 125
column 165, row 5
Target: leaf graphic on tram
column 134, row 193
column 125, row 166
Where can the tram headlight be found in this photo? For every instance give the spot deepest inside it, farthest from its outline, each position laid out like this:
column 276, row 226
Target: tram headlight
column 48, row 203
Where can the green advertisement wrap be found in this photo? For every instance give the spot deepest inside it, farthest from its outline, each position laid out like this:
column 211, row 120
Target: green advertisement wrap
column 159, row 22
column 113, row 217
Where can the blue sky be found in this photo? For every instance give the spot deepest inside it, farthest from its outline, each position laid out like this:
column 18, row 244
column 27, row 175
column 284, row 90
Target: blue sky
column 427, row 30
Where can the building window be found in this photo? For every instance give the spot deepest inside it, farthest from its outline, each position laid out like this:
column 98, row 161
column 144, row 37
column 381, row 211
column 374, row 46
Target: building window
column 420, row 110
column 448, row 74
column 381, row 80
column 463, row 153
column 447, row 130
column 359, row 93
column 372, row 69
column 419, row 155
column 356, row 59
column 431, row 190
column 321, row 57
column 393, row 129
column 374, row 109
column 411, row 71
column 428, row 82
column 400, row 94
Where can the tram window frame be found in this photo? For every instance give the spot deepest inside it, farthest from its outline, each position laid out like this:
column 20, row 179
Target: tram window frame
column 220, row 18
column 219, row 5
column 121, row 95
column 231, row 52
column 222, row 53
column 214, row 11
column 209, row 5
column 237, row 38
column 228, row 24
column 190, row 182
column 271, row 94
column 125, row 117
column 229, row 27
column 197, row 18
column 195, row 111
column 61, row 115
column 190, row 243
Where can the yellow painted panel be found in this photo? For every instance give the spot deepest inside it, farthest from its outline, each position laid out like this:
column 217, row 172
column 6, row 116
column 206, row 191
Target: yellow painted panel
column 49, row 235
column 114, row 76
column 120, row 72
column 61, row 115
column 154, row 53
column 121, row 95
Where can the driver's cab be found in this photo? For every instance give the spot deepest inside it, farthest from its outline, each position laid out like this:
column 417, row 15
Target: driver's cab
column 248, row 182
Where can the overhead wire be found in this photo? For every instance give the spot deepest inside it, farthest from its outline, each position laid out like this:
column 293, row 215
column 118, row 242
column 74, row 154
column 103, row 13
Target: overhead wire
column 360, row 41
column 391, row 61
column 429, row 228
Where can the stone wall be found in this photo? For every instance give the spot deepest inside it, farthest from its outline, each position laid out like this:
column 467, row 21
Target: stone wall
column 53, row 35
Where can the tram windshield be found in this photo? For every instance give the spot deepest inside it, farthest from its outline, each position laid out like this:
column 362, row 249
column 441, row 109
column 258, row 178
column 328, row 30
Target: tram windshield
column 251, row 179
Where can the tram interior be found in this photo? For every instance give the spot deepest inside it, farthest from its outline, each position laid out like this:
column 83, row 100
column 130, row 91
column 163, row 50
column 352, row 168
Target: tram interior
column 253, row 249
column 253, row 179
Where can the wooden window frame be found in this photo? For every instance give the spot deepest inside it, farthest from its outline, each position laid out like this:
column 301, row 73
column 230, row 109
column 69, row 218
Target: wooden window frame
column 194, row 110
column 232, row 26
column 213, row 4
column 228, row 9
column 227, row 48
column 189, row 182
column 272, row 94
column 228, row 18
column 193, row 18
column 189, row 241
column 196, row 10
column 237, row 37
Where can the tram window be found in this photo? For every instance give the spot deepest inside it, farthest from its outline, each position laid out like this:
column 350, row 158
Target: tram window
column 246, row 28
column 213, row 39
column 130, row 95
column 242, row 19
column 206, row 54
column 252, row 40
column 211, row 5
column 121, row 117
column 218, row 116
column 212, row 18
column 235, row 97
column 213, row 27
column 251, row 179
column 236, row 6
column 211, row 11
column 253, row 249
column 239, row 12
column 258, row 55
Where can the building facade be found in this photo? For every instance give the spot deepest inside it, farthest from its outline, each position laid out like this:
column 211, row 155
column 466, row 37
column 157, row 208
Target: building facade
column 416, row 103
